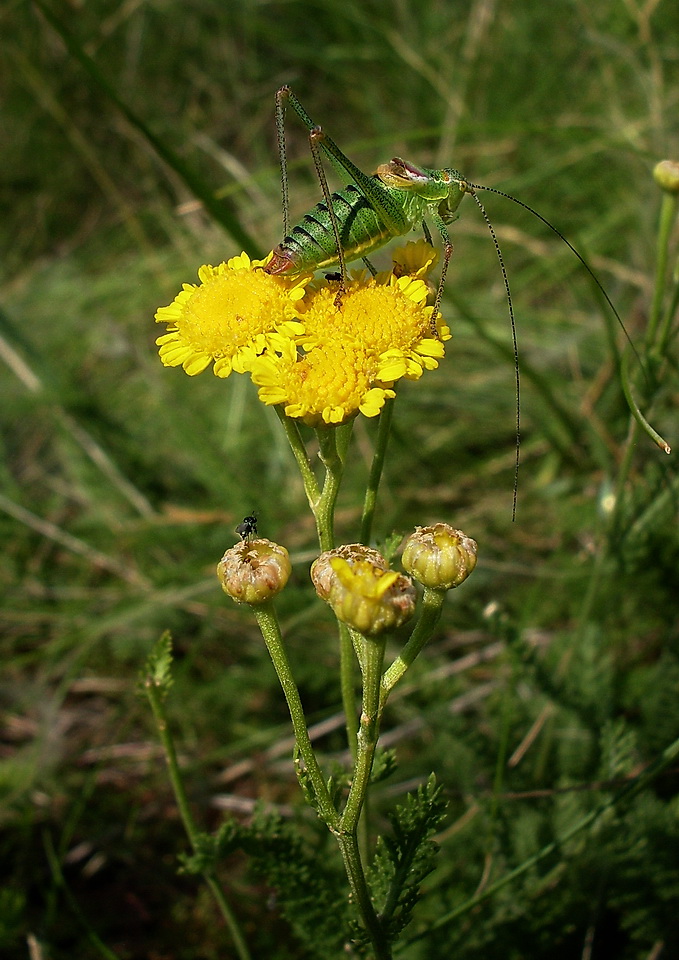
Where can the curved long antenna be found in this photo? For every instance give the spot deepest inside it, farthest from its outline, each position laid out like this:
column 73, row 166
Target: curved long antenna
column 515, row 344
column 520, row 203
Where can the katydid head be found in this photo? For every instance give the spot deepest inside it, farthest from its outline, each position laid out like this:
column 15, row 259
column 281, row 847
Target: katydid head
column 445, row 187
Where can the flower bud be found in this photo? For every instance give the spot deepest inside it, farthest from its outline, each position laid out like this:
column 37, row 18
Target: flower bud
column 439, row 556
column 254, row 571
column 361, row 589
column 666, row 175
column 324, row 577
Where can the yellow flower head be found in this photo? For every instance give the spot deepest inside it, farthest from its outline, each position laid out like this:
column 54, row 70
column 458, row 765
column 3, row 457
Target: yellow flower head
column 229, row 317
column 416, row 259
column 328, row 385
column 386, row 317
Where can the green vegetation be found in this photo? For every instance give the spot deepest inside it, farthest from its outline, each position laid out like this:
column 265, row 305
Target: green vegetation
column 138, row 144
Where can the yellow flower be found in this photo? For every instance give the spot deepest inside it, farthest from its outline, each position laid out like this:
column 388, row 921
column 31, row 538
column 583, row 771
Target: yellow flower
column 387, row 318
column 416, row 259
column 329, row 384
column 229, row 317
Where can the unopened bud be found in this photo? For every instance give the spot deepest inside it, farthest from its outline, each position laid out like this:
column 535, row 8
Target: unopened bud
column 666, row 174
column 439, row 556
column 361, row 589
column 254, row 571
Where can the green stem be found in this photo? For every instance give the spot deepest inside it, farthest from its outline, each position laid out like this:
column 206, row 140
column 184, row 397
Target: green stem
column 359, row 888
column 668, row 212
column 347, row 685
column 333, row 443
column 155, row 696
column 665, row 334
column 291, row 428
column 370, row 501
column 268, row 624
column 634, row 408
column 432, row 604
column 367, row 734
column 348, row 833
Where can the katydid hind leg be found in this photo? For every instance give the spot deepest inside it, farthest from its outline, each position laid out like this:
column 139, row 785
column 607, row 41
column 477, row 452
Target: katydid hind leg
column 281, row 98
column 374, row 193
column 314, row 135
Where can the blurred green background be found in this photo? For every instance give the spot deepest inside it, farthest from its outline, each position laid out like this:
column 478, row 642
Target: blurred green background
column 555, row 672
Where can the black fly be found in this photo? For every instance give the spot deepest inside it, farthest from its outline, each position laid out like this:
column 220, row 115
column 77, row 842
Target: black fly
column 248, row 528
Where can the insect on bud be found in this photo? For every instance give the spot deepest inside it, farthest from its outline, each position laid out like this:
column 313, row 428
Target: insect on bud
column 254, row 571
column 439, row 556
column 666, row 175
column 361, row 589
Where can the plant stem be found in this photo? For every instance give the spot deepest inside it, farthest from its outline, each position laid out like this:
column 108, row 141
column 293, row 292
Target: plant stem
column 291, row 428
column 354, row 869
column 668, row 212
column 432, row 604
column 383, row 433
column 348, row 833
column 367, row 734
column 347, row 686
column 333, row 443
column 155, row 697
column 268, row 624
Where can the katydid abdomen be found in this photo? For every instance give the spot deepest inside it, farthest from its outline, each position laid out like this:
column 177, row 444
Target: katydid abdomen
column 312, row 245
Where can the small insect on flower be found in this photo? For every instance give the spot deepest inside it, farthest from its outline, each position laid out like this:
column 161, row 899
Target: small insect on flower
column 248, row 528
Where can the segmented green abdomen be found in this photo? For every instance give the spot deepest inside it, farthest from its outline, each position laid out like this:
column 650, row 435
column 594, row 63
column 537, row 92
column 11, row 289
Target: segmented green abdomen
column 311, row 244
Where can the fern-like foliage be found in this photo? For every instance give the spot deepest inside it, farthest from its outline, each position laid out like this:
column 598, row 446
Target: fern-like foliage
column 158, row 667
column 308, row 880
column 406, row 856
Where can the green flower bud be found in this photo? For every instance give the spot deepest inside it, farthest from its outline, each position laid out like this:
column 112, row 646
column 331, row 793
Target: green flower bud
column 666, row 175
column 254, row 571
column 361, row 589
column 439, row 556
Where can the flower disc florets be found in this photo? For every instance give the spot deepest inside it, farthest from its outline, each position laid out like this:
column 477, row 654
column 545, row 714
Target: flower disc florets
column 381, row 315
column 351, row 352
column 229, row 317
column 324, row 577
column 324, row 356
column 439, row 556
column 327, row 385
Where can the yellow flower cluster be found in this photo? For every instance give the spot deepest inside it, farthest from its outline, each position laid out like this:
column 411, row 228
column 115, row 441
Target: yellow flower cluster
column 323, row 361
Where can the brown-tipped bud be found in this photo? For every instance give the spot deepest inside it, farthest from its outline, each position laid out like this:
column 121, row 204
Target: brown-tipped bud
column 666, row 175
column 361, row 589
column 439, row 556
column 254, row 571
